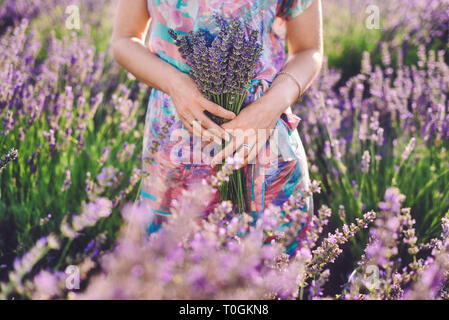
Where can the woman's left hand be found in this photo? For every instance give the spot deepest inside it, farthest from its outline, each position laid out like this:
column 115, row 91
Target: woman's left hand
column 250, row 131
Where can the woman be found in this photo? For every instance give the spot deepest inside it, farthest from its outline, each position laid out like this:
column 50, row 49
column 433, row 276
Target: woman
column 176, row 102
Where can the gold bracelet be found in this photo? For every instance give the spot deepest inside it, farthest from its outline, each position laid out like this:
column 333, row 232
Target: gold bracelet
column 291, row 75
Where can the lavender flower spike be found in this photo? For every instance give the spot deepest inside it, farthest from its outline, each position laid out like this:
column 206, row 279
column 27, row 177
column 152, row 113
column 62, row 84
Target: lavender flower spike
column 10, row 156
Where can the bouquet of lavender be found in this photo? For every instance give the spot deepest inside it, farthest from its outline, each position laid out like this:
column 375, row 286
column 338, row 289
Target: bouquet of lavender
column 222, row 66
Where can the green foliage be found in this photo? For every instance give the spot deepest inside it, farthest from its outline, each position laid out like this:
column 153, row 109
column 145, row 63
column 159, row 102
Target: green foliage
column 112, row 108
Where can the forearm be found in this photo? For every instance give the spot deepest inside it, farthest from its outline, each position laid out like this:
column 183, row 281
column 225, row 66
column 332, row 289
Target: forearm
column 134, row 56
column 283, row 92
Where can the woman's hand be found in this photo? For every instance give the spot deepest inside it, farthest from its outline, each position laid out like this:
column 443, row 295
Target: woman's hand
column 190, row 105
column 250, row 130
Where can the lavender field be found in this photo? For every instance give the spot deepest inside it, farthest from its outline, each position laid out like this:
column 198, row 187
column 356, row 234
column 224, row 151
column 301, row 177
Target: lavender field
column 375, row 127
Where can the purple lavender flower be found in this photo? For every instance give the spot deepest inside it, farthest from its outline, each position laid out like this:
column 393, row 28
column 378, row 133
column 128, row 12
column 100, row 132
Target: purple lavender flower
column 393, row 200
column 10, row 156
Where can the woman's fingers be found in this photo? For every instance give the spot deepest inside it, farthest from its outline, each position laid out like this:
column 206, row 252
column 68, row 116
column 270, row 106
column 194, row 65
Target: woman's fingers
column 250, row 157
column 195, row 128
column 213, row 128
column 247, row 150
column 224, row 153
column 201, row 132
column 217, row 110
column 242, row 152
column 186, row 123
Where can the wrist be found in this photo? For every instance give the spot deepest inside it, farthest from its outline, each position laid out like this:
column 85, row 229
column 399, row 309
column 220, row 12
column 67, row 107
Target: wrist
column 288, row 76
column 266, row 109
column 175, row 80
column 277, row 99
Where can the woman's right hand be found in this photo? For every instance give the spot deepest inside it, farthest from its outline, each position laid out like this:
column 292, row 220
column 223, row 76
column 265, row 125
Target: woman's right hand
column 190, row 105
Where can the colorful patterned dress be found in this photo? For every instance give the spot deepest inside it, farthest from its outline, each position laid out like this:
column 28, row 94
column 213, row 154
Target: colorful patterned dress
column 267, row 183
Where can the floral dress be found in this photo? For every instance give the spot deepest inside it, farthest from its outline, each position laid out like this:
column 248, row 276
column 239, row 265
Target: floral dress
column 268, row 182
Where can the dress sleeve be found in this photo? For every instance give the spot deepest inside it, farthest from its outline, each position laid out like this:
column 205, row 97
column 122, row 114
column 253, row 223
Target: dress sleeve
column 289, row 9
